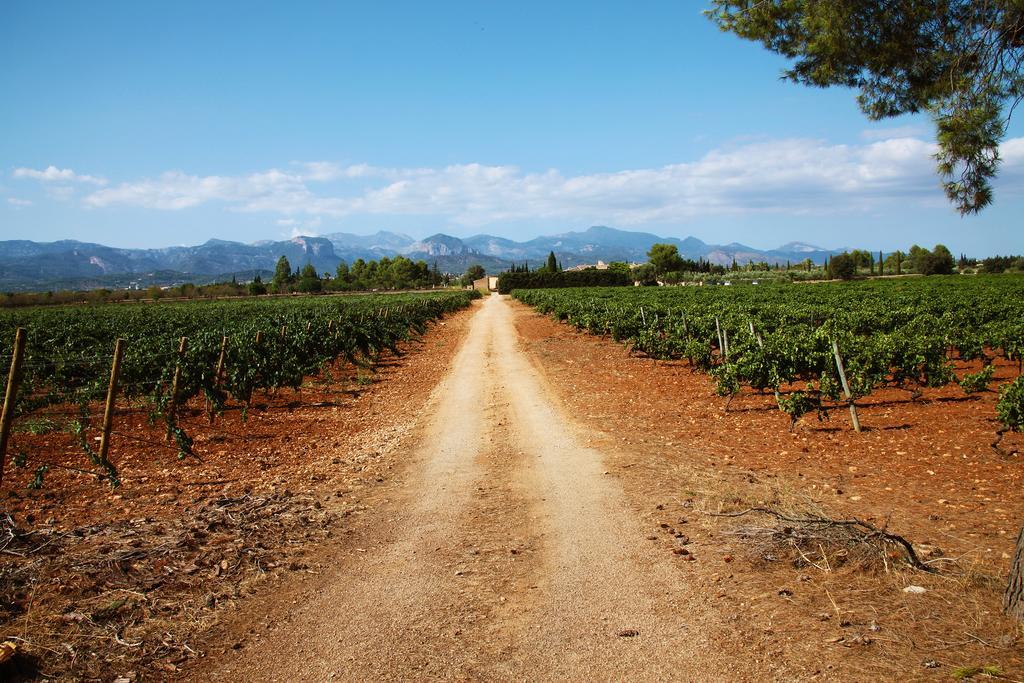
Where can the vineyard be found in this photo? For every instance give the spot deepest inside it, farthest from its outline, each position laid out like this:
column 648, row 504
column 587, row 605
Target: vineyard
column 77, row 363
column 818, row 347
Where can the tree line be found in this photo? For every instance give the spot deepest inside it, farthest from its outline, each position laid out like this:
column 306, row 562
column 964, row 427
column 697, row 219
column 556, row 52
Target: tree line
column 387, row 273
column 937, row 261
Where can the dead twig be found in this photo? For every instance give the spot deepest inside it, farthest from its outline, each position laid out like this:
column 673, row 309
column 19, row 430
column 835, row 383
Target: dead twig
column 865, row 532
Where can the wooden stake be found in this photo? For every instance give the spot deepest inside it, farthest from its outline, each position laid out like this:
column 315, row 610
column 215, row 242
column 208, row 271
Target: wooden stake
column 718, row 329
column 760, row 343
column 846, row 387
column 259, row 339
column 220, row 361
column 725, row 340
column 218, row 374
column 13, row 380
column 108, row 409
column 174, row 385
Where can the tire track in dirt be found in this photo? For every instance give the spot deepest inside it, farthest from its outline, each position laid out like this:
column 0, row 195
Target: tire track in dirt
column 508, row 555
column 610, row 609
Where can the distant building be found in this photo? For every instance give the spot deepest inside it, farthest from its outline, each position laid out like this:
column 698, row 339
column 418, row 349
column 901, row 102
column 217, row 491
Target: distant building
column 600, row 265
column 488, row 283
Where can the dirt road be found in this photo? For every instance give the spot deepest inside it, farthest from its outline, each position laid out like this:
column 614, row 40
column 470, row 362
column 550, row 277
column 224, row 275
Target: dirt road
column 508, row 554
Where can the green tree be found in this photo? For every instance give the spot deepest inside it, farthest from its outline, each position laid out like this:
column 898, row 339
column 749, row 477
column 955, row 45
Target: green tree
column 403, row 273
column 665, row 258
column 894, row 262
column 552, row 264
column 938, row 261
column 619, row 267
column 959, row 60
column 917, row 258
column 842, row 267
column 256, row 287
column 309, row 281
column 646, row 274
column 282, row 274
column 358, row 274
column 862, row 258
column 473, row 273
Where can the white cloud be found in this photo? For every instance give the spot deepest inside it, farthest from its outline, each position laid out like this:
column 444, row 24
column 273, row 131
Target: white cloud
column 176, row 190
column 1012, row 152
column 321, row 171
column 310, row 228
column 52, row 174
column 794, row 176
column 297, row 228
column 14, row 201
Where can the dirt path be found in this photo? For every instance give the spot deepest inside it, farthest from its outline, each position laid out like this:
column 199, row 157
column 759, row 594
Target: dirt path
column 506, row 553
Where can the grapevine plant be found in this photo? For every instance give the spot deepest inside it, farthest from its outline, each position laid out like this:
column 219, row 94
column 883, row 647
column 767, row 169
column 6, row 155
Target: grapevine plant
column 69, row 350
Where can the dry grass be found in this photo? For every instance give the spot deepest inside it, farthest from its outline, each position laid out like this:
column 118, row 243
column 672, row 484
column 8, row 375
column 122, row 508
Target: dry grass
column 100, row 600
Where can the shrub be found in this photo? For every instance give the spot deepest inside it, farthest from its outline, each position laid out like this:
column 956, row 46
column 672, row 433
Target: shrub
column 842, row 267
column 575, row 278
column 1010, row 408
column 977, row 381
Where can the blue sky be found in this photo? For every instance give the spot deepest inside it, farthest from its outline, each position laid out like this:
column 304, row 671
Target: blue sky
column 153, row 124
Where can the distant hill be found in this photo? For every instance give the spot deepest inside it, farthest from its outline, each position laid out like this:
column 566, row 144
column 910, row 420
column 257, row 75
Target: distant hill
column 610, row 244
column 27, row 265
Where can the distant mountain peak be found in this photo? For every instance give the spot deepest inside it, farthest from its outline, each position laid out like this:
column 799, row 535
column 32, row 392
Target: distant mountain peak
column 799, row 247
column 438, row 244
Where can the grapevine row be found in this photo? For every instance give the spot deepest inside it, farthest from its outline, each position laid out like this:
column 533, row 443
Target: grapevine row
column 903, row 334
column 254, row 344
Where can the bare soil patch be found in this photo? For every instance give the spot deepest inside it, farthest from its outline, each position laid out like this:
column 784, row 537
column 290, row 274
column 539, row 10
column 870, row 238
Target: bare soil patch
column 98, row 582
column 922, row 468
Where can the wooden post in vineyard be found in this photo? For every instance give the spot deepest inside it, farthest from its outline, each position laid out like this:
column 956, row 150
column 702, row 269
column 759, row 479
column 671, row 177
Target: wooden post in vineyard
column 218, row 374
column 718, row 329
column 846, row 387
column 182, row 345
column 13, row 379
column 108, row 408
column 259, row 340
column 760, row 344
column 1013, row 598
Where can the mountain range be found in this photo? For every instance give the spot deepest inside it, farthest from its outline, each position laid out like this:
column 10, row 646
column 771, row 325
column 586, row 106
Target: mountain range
column 68, row 264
